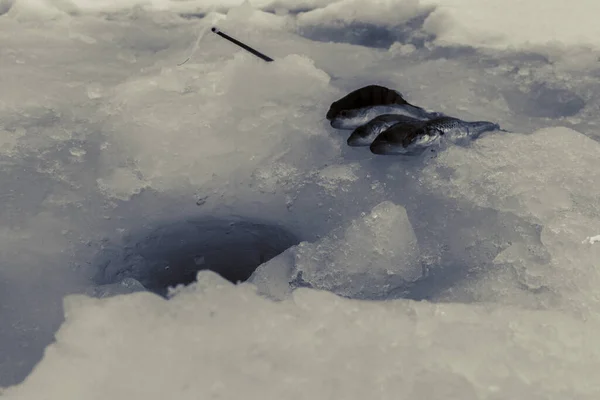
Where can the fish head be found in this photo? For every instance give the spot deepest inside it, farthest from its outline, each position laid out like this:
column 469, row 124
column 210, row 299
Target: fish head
column 392, row 141
column 452, row 129
column 360, row 137
column 403, row 139
column 382, row 147
column 365, row 134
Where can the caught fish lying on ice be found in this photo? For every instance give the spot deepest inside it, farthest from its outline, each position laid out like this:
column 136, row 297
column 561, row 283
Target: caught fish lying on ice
column 365, row 134
column 362, row 105
column 382, row 119
column 406, row 139
column 385, row 121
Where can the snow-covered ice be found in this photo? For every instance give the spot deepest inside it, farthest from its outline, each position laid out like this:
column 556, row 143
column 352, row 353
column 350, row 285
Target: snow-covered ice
column 217, row 340
column 472, row 273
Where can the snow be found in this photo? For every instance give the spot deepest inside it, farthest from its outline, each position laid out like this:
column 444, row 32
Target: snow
column 467, row 22
column 378, row 12
column 464, row 274
column 314, row 345
column 592, row 239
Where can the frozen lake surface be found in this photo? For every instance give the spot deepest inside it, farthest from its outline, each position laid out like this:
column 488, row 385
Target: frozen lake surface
column 470, row 274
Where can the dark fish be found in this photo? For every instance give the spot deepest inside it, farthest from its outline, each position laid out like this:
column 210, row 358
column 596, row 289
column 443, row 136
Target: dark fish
column 362, row 105
column 411, row 140
column 365, row 134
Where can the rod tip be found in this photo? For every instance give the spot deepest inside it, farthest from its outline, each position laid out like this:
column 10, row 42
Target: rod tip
column 215, row 29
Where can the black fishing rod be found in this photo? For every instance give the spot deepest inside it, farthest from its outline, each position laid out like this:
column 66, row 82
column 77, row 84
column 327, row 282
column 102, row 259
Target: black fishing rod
column 242, row 45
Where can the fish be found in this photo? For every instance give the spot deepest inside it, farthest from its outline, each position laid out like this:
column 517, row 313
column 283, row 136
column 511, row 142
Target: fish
column 362, row 105
column 414, row 140
column 365, row 134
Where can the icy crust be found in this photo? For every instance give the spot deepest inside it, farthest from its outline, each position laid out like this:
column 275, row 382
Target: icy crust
column 324, row 10
column 123, row 141
column 545, row 178
column 514, row 24
column 511, row 214
column 239, row 128
column 376, row 12
column 547, row 175
column 214, row 339
column 493, row 24
column 25, row 9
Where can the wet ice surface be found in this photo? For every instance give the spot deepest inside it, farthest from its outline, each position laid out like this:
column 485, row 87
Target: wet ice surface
column 123, row 172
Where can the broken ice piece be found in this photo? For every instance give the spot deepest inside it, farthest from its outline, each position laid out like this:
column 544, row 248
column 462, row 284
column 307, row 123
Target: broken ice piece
column 592, row 239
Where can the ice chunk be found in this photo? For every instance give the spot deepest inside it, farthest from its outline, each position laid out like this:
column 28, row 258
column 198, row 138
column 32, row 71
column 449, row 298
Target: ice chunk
column 246, row 13
column 592, row 239
column 37, row 9
column 229, row 127
column 221, row 340
column 553, row 188
column 376, row 12
column 273, row 277
column 468, row 22
column 369, row 258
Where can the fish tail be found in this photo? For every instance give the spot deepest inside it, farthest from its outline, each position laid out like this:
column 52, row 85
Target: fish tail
column 479, row 127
